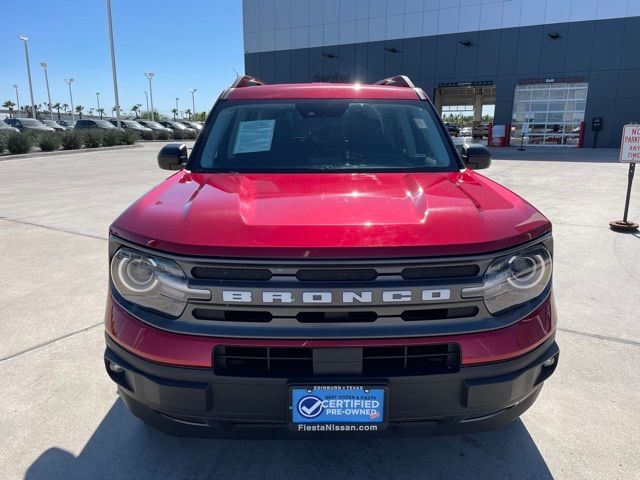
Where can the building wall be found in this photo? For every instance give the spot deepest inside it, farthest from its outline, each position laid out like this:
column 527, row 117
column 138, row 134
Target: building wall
column 604, row 47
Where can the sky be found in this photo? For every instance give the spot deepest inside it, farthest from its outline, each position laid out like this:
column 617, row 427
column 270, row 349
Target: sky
column 186, row 43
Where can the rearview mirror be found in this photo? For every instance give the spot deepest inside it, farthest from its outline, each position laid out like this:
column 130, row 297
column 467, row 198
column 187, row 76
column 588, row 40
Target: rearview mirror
column 173, row 156
column 475, row 156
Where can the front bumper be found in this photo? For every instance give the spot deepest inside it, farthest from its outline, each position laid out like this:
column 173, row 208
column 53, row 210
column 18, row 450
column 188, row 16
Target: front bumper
column 189, row 401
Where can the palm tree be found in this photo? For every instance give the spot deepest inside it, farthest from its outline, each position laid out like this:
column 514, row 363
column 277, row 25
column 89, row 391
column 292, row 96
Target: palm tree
column 9, row 104
column 65, row 108
column 188, row 112
column 57, row 106
column 101, row 111
column 136, row 108
column 175, row 113
column 79, row 109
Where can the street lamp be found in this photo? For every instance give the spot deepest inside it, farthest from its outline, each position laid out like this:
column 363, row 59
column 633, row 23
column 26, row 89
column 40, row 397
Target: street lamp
column 193, row 99
column 113, row 64
column 146, row 95
column 69, row 82
column 149, row 75
column 177, row 109
column 24, row 38
column 46, row 79
column 98, row 99
column 17, row 97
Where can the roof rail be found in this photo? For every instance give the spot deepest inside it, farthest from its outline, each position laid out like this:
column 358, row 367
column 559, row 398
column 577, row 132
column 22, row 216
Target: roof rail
column 397, row 81
column 246, row 81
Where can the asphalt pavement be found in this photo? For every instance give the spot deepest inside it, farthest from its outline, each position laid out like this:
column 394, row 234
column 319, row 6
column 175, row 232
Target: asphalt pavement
column 60, row 416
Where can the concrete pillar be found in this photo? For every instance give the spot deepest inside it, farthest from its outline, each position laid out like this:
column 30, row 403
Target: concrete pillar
column 477, row 105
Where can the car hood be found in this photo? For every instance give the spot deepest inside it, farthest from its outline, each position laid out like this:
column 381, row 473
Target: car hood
column 329, row 215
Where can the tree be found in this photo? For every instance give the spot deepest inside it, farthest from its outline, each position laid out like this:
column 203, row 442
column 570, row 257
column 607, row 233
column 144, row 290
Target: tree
column 188, row 113
column 65, row 107
column 9, row 104
column 156, row 116
column 101, row 111
column 136, row 108
column 199, row 116
column 175, row 113
column 79, row 109
column 56, row 106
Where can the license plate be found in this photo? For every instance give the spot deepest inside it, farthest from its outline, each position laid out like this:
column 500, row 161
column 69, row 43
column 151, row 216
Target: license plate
column 337, row 408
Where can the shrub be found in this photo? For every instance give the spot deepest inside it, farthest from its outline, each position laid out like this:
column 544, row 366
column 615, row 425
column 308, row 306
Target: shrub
column 19, row 143
column 146, row 135
column 112, row 137
column 49, row 141
column 71, row 140
column 162, row 135
column 128, row 137
column 93, row 139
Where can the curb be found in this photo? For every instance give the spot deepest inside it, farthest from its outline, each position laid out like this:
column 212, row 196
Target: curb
column 67, row 152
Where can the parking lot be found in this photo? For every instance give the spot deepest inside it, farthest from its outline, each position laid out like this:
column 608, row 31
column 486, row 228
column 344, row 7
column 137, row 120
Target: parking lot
column 60, row 416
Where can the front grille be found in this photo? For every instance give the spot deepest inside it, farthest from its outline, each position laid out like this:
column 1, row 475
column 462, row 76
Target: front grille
column 286, row 362
column 219, row 273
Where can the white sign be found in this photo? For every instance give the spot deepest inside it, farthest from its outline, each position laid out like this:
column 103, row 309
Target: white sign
column 630, row 150
column 254, row 136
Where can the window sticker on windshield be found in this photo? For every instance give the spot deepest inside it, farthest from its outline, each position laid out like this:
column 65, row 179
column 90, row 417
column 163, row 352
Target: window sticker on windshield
column 254, row 136
column 420, row 123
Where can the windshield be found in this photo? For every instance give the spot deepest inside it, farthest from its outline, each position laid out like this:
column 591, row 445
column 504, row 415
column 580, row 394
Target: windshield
column 324, row 135
column 153, row 125
column 30, row 122
column 50, row 123
column 130, row 123
column 103, row 124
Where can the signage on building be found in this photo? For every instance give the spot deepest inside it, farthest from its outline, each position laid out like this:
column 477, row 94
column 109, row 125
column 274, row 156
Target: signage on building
column 630, row 150
column 332, row 78
column 596, row 124
column 484, row 83
column 531, row 81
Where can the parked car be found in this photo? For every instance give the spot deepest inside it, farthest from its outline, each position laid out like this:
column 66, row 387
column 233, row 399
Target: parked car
column 131, row 125
column 179, row 130
column 452, row 129
column 55, row 125
column 4, row 128
column 28, row 125
column 155, row 126
column 88, row 124
column 195, row 125
column 262, row 285
column 69, row 124
column 479, row 130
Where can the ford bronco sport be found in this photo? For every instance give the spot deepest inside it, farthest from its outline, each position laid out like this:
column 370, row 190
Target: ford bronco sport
column 326, row 260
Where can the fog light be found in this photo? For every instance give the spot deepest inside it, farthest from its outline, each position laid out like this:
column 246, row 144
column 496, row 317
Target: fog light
column 114, row 367
column 549, row 362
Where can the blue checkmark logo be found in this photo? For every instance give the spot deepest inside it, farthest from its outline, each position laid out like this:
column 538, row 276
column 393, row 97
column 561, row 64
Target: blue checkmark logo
column 310, row 407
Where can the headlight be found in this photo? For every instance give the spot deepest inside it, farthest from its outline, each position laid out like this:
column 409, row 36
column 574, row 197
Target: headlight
column 153, row 282
column 514, row 279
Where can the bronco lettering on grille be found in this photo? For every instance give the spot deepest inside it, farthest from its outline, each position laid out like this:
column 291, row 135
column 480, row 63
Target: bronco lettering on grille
column 387, row 296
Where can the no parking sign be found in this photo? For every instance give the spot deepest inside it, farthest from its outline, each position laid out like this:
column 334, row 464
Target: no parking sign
column 629, row 153
column 630, row 149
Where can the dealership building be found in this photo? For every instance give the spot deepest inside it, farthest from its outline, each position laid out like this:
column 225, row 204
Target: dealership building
column 559, row 72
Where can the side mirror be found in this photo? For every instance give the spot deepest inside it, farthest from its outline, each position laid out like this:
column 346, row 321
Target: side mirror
column 173, row 156
column 475, row 156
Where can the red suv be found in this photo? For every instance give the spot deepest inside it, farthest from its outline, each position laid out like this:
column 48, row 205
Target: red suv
column 325, row 260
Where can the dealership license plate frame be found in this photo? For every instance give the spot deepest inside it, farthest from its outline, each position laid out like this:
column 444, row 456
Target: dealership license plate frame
column 315, row 388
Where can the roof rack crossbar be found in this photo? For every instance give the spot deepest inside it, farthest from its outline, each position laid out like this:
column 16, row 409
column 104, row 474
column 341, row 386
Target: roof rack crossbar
column 246, row 81
column 397, row 81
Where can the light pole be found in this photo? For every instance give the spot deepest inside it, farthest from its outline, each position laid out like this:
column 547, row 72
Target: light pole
column 69, row 82
column 17, row 96
column 149, row 75
column 46, row 79
column 26, row 53
column 177, row 109
column 146, row 95
column 113, row 64
column 98, row 99
column 193, row 99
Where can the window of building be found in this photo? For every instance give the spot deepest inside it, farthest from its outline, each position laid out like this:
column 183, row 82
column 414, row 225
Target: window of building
column 552, row 112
